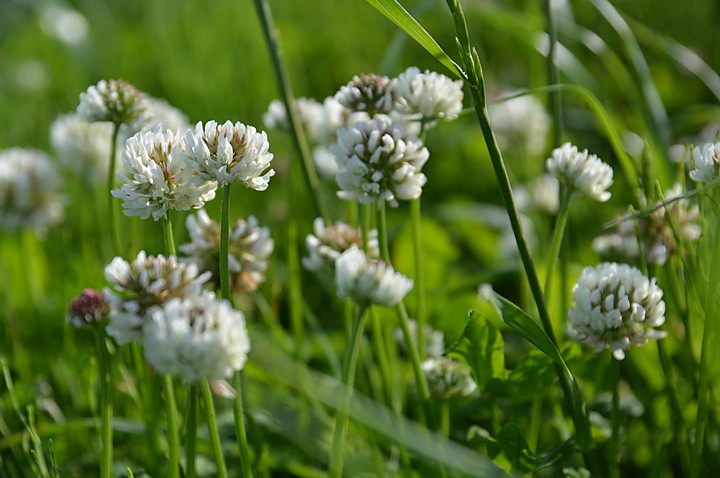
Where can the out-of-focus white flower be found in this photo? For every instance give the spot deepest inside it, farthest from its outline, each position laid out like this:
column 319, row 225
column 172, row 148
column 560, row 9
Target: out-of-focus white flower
column 249, row 248
column 616, row 306
column 447, row 378
column 29, row 190
column 87, row 309
column 145, row 283
column 581, row 171
column 434, row 339
column 111, row 100
column 159, row 112
column 82, row 147
column 369, row 281
column 196, row 338
column 231, row 153
column 520, row 124
column 707, row 162
column 67, row 25
column 541, row 194
column 430, row 94
column 377, row 162
column 159, row 176
column 657, row 231
column 367, row 92
column 329, row 242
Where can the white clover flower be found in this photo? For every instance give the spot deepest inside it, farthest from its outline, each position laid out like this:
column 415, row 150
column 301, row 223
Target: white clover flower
column 143, row 284
column 520, row 124
column 82, row 147
column 377, row 162
column 616, row 306
column 29, row 191
column 111, row 100
column 707, row 162
column 434, row 339
column 447, row 378
column 159, row 112
column 369, row 281
column 657, row 231
column 367, row 92
column 582, row 171
column 196, row 338
column 249, row 248
column 329, row 242
column 87, row 309
column 541, row 194
column 231, row 153
column 429, row 94
column 158, row 177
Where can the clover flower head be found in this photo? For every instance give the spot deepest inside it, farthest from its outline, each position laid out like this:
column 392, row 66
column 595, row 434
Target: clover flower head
column 328, row 242
column 196, row 338
column 377, row 162
column 116, row 101
column 160, row 113
column 367, row 92
column 29, row 191
column 657, row 232
column 145, row 283
column 158, row 176
column 368, row 281
column 230, row 153
column 434, row 339
column 582, row 171
column 249, row 247
column 82, row 147
column 616, row 306
column 707, row 162
column 541, row 194
column 447, row 378
column 521, row 124
column 429, row 94
column 87, row 309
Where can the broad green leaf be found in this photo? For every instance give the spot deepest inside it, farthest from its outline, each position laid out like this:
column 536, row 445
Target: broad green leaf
column 395, row 12
column 482, row 348
column 510, row 450
column 534, row 373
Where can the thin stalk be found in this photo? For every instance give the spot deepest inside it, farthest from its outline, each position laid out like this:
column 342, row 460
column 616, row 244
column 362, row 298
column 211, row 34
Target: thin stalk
column 106, row 412
column 112, row 214
column 191, row 432
column 708, row 313
column 224, row 246
column 294, row 287
column 173, row 436
column 168, row 236
column 553, row 78
column 348, row 379
column 240, row 433
column 383, row 233
column 296, row 127
column 615, row 418
column 445, row 418
column 557, row 239
column 213, row 429
column 415, row 217
column 533, row 434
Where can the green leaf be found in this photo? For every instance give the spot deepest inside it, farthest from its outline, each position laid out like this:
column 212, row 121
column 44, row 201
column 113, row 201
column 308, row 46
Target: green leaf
column 395, row 12
column 532, row 374
column 482, row 348
column 510, row 450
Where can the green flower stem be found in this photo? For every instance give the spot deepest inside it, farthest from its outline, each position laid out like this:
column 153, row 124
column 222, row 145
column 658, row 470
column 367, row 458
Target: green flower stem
column 191, row 432
column 168, row 236
column 173, row 436
column 415, row 215
column 445, row 418
column 383, row 234
column 615, row 418
column 708, row 316
column 112, row 214
column 241, row 434
column 213, row 429
column 294, row 287
column 533, row 434
column 348, row 379
column 296, row 127
column 106, row 410
column 552, row 74
column 557, row 239
column 224, row 246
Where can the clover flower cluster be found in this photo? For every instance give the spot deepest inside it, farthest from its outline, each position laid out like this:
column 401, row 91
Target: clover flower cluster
column 616, row 306
column 581, row 171
column 434, row 339
column 448, row 378
column 249, row 247
column 328, row 243
column 520, row 124
column 29, row 191
column 158, row 302
column 541, row 194
column 706, row 160
column 116, row 101
column 655, row 234
column 82, row 147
